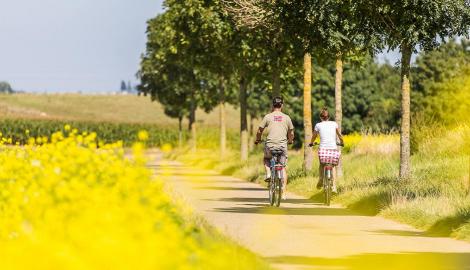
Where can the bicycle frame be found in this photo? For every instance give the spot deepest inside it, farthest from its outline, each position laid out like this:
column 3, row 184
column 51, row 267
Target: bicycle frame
column 277, row 168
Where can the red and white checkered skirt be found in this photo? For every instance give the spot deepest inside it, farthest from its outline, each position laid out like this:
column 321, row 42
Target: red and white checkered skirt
column 330, row 156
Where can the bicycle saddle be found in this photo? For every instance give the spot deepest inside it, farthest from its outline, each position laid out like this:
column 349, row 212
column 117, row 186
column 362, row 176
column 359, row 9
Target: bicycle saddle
column 276, row 152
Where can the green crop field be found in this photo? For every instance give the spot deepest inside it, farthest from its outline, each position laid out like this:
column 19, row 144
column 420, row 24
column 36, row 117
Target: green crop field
column 99, row 108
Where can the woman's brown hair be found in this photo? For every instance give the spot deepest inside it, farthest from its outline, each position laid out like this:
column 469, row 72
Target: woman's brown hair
column 324, row 115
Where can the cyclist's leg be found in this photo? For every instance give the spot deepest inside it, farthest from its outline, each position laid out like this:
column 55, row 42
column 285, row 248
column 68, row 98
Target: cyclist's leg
column 333, row 179
column 334, row 175
column 321, row 171
column 267, row 163
column 283, row 160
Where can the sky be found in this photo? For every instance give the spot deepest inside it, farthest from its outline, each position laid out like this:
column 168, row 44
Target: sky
column 72, row 45
column 75, row 45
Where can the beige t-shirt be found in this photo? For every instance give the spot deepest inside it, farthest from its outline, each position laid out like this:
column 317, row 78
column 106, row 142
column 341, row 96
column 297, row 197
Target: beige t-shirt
column 278, row 124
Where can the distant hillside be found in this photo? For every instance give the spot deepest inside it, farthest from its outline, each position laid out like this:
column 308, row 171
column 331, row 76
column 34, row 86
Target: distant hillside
column 109, row 108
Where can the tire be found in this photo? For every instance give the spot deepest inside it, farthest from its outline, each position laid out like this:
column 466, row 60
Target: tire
column 278, row 192
column 327, row 188
column 272, row 191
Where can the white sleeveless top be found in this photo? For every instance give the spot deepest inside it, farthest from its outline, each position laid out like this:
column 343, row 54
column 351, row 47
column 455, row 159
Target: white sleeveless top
column 327, row 131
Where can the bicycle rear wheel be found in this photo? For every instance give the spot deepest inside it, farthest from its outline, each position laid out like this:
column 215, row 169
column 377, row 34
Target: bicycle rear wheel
column 327, row 187
column 278, row 192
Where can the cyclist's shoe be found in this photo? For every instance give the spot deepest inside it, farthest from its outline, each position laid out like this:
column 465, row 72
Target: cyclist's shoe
column 267, row 178
column 284, row 196
column 320, row 185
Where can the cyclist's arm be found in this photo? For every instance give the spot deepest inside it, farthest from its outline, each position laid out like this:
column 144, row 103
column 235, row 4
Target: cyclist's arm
column 290, row 136
column 314, row 137
column 340, row 137
column 258, row 135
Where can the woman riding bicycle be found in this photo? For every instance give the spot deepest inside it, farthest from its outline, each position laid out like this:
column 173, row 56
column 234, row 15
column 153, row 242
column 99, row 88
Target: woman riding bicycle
column 329, row 133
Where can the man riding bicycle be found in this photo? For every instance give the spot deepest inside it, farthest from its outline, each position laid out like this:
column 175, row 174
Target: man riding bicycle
column 328, row 131
column 280, row 133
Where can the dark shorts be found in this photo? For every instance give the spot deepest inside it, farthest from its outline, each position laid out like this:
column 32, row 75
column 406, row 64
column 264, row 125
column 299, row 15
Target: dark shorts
column 268, row 154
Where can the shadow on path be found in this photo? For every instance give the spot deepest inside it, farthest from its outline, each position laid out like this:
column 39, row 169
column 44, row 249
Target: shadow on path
column 317, row 211
column 401, row 233
column 265, row 199
column 232, row 188
column 398, row 261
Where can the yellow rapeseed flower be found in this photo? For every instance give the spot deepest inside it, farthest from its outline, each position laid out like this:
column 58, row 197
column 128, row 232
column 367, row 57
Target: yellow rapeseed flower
column 65, row 204
column 143, row 135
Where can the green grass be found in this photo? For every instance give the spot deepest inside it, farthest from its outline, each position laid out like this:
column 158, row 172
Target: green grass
column 435, row 199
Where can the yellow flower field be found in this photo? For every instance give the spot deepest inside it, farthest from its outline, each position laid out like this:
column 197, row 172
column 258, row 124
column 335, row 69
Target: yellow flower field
column 70, row 204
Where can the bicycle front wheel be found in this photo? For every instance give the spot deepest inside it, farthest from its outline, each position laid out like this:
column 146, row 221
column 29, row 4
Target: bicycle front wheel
column 272, row 191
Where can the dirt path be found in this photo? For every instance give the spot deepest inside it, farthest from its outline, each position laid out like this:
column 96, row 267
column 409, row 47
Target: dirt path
column 303, row 234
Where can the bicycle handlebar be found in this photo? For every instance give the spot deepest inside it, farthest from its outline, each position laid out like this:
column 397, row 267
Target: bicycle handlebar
column 263, row 141
column 315, row 143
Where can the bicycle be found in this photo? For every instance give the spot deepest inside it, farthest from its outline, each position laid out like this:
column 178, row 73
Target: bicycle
column 327, row 178
column 275, row 184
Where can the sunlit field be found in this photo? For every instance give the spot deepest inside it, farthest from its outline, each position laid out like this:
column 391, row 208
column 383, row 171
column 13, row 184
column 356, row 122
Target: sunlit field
column 132, row 135
column 69, row 202
column 127, row 109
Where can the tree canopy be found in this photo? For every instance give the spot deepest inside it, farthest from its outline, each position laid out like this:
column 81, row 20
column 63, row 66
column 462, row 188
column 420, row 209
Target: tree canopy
column 5, row 87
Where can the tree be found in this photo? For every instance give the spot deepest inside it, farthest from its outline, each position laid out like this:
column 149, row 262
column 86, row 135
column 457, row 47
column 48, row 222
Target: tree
column 405, row 25
column 249, row 56
column 307, row 108
column 206, row 36
column 439, row 83
column 432, row 68
column 175, row 56
column 257, row 101
column 375, row 84
column 270, row 17
column 225, row 55
column 164, row 74
column 123, row 86
column 260, row 17
column 5, row 87
column 129, row 86
column 330, row 29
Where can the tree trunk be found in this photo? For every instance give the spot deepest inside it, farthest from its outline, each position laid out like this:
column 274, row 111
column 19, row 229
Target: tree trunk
column 276, row 78
column 243, row 121
column 251, row 140
column 308, row 154
column 405, row 166
column 338, row 100
column 192, row 124
column 222, row 122
column 180, row 131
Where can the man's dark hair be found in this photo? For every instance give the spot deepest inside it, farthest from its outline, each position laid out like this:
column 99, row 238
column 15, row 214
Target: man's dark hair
column 277, row 102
